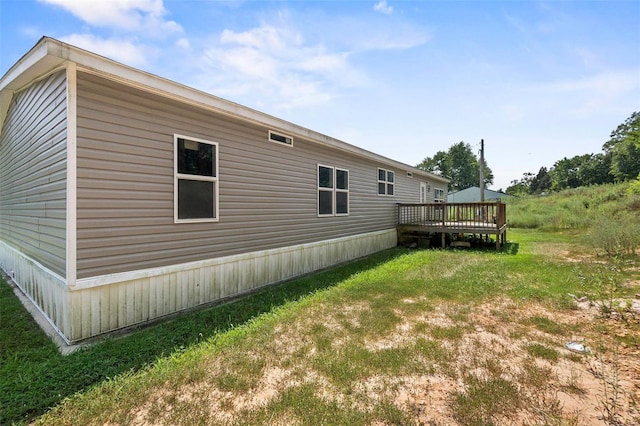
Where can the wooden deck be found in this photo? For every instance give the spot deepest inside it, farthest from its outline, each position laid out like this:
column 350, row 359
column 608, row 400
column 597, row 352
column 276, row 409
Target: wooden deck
column 482, row 219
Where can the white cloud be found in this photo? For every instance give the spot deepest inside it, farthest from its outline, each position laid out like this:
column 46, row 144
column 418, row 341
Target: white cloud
column 383, row 7
column 118, row 49
column 287, row 61
column 614, row 82
column 133, row 32
column 141, row 16
column 276, row 63
column 611, row 89
column 184, row 43
column 265, row 37
column 324, row 62
column 30, row 31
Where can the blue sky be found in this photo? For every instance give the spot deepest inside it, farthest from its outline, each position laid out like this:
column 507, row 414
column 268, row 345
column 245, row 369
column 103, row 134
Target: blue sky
column 537, row 81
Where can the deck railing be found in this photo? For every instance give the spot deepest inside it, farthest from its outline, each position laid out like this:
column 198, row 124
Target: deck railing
column 453, row 214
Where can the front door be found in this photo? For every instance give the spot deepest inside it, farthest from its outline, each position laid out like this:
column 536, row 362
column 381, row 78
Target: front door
column 423, row 200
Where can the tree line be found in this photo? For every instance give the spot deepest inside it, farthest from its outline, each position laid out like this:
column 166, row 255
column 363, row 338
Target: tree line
column 619, row 161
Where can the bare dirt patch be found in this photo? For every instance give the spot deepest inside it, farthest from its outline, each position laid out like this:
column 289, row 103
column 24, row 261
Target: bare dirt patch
column 557, row 386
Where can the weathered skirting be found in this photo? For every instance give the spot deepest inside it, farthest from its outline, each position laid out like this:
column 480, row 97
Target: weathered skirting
column 46, row 289
column 103, row 304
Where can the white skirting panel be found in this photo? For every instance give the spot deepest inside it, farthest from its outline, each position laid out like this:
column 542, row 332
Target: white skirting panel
column 107, row 303
column 46, row 289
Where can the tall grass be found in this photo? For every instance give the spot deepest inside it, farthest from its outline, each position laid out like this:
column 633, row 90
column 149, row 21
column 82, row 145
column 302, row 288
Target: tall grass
column 608, row 215
column 573, row 208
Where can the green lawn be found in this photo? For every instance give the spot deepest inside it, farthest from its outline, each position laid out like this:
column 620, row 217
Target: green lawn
column 338, row 347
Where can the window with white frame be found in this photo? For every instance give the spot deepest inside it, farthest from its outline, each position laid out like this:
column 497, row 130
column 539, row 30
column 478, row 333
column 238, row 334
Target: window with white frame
column 386, row 182
column 438, row 195
column 333, row 191
column 195, row 180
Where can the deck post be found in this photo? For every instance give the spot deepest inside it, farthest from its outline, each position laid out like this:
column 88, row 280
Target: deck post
column 443, row 241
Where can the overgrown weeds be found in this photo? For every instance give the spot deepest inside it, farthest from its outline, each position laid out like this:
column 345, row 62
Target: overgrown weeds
column 579, row 208
column 616, row 236
column 607, row 371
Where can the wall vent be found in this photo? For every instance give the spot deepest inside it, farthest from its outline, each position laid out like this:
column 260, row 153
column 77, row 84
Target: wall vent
column 280, row 138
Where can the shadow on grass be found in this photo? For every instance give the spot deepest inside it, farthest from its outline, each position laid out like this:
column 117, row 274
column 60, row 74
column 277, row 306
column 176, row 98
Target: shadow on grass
column 511, row 248
column 34, row 376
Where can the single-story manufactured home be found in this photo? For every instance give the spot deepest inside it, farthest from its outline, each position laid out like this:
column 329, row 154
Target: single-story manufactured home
column 126, row 197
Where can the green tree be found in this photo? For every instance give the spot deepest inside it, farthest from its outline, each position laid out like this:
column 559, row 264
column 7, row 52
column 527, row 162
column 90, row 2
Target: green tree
column 565, row 173
column 522, row 186
column 595, row 170
column 624, row 148
column 540, row 182
column 460, row 165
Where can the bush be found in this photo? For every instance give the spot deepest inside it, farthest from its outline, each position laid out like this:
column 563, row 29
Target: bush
column 634, row 188
column 616, row 235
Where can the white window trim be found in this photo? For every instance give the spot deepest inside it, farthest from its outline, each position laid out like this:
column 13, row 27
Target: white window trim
column 333, row 191
column 212, row 179
column 386, row 182
column 435, row 192
column 272, row 132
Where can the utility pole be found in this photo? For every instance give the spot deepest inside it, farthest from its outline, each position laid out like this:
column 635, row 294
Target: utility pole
column 482, row 170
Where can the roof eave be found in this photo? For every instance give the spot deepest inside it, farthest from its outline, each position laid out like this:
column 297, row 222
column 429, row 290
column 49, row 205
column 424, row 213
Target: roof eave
column 49, row 54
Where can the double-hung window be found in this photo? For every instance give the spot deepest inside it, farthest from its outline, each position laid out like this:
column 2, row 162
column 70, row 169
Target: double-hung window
column 438, row 195
column 386, row 182
column 195, row 180
column 333, row 191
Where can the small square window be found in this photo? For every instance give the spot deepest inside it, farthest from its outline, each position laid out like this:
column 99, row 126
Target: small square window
column 342, row 179
column 325, row 177
column 195, row 158
column 342, row 203
column 195, row 199
column 325, row 202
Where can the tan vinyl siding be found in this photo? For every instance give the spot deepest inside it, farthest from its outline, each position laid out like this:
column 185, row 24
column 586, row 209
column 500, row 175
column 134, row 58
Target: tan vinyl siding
column 268, row 193
column 33, row 173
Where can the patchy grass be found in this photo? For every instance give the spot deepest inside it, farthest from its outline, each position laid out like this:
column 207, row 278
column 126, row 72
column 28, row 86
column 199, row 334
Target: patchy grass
column 546, row 325
column 34, row 377
column 408, row 337
column 544, row 352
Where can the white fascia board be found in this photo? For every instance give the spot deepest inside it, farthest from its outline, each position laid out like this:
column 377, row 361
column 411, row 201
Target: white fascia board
column 34, row 64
